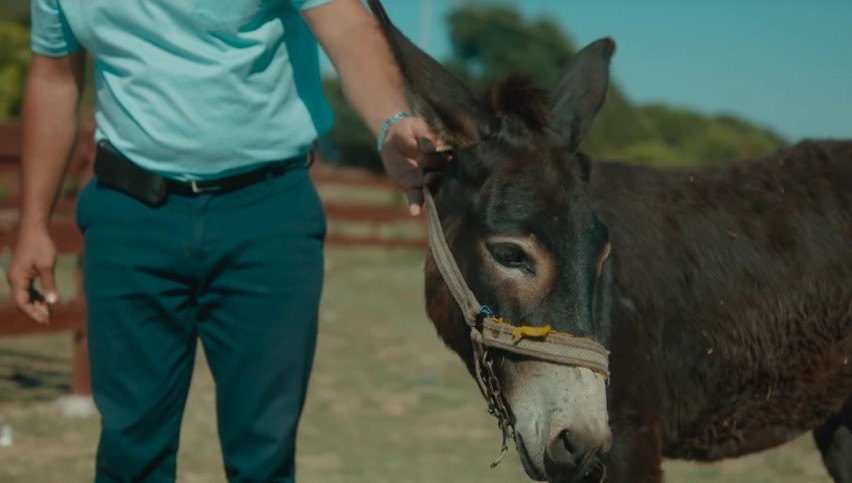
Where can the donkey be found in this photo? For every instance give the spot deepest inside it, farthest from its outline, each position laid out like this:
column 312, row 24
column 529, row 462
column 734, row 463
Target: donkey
column 724, row 294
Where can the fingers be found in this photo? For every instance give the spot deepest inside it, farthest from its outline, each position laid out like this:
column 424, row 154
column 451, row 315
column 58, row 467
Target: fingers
column 429, row 144
column 48, row 284
column 27, row 299
column 415, row 194
column 431, row 178
column 35, row 259
column 24, row 301
column 38, row 307
column 433, row 160
column 415, row 200
column 434, row 154
column 427, row 140
column 430, row 158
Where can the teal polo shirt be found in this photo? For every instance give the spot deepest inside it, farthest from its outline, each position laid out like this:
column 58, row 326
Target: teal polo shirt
column 195, row 89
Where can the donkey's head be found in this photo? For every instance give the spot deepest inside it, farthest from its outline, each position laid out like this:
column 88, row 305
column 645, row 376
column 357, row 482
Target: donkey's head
column 517, row 216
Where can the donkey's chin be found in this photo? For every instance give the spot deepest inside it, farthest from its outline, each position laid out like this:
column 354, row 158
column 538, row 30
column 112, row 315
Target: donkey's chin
column 560, row 418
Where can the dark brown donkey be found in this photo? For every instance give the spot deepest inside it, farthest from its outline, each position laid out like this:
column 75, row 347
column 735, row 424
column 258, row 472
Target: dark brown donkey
column 726, row 303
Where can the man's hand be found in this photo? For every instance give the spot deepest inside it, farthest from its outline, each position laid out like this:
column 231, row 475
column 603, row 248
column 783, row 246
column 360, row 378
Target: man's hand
column 409, row 148
column 34, row 259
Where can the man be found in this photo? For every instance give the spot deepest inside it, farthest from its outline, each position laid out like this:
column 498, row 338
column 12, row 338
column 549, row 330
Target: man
column 201, row 221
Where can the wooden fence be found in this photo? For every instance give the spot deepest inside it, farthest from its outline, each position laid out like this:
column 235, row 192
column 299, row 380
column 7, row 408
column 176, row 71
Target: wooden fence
column 361, row 209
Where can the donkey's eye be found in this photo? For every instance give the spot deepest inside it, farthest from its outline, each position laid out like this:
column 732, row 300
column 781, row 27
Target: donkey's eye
column 508, row 255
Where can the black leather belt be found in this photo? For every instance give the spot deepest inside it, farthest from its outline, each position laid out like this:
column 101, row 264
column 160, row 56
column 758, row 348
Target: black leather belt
column 115, row 170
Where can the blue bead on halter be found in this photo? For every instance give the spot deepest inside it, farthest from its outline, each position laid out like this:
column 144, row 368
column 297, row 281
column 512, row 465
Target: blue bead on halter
column 486, row 311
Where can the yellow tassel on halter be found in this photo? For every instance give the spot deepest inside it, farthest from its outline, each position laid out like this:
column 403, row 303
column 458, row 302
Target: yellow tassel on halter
column 527, row 331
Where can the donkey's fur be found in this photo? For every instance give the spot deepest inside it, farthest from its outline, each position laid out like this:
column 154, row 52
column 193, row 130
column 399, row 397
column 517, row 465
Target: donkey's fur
column 726, row 304
column 733, row 328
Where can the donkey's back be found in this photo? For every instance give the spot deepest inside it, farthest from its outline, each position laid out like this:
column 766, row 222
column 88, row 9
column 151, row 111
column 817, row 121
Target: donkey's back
column 702, row 233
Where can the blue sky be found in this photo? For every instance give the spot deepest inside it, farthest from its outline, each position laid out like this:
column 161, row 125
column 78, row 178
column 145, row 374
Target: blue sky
column 783, row 64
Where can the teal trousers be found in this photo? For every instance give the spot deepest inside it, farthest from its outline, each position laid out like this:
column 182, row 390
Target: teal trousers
column 240, row 271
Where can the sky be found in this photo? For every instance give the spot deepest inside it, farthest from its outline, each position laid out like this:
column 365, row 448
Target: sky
column 781, row 64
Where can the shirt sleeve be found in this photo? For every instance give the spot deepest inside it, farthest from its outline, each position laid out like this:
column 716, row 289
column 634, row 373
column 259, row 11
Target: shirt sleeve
column 306, row 4
column 51, row 35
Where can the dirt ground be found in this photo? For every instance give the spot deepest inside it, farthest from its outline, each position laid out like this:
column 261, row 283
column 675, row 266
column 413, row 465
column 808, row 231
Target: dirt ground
column 387, row 402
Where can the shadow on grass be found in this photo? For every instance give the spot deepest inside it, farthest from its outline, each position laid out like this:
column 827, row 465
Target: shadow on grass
column 29, row 376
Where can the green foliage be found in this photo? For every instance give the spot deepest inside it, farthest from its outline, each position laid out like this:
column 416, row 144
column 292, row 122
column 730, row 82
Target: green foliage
column 618, row 125
column 349, row 141
column 703, row 139
column 650, row 152
column 14, row 59
column 15, row 11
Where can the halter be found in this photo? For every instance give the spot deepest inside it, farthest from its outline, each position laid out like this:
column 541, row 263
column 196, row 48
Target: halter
column 489, row 331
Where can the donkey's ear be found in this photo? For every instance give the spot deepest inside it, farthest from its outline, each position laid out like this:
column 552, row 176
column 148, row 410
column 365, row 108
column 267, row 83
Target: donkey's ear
column 454, row 114
column 580, row 92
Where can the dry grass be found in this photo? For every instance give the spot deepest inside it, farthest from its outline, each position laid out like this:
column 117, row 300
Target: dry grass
column 387, row 402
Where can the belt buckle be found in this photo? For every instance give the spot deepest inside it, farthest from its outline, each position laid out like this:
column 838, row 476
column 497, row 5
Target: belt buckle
column 193, row 184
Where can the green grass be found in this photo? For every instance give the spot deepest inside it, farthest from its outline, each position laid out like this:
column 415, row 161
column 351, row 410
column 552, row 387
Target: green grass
column 387, row 402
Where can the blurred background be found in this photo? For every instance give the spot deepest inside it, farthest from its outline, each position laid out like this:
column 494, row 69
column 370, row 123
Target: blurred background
column 695, row 82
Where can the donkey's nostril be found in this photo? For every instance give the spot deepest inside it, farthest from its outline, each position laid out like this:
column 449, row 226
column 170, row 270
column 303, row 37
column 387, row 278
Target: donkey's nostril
column 566, row 449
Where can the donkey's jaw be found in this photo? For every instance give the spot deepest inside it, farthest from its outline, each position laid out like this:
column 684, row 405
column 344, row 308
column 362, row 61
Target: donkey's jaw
column 560, row 416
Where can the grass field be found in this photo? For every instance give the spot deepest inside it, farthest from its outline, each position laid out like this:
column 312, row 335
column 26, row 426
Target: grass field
column 387, row 402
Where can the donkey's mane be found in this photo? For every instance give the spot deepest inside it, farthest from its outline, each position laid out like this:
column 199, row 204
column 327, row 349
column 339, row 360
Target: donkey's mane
column 520, row 97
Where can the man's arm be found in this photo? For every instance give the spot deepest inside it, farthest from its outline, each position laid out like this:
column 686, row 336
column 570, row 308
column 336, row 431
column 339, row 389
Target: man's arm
column 50, row 119
column 373, row 86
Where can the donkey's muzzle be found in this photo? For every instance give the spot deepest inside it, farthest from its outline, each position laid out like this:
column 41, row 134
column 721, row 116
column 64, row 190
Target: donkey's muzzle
column 571, row 450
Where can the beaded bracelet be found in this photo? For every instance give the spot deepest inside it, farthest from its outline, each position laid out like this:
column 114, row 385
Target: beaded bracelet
column 383, row 130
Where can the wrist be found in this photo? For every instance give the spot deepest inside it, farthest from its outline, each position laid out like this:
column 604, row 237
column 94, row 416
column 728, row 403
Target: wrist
column 33, row 223
column 386, row 127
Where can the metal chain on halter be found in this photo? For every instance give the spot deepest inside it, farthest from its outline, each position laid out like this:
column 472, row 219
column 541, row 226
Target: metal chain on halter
column 490, row 387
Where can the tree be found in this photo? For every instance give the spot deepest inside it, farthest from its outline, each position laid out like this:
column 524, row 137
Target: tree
column 14, row 59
